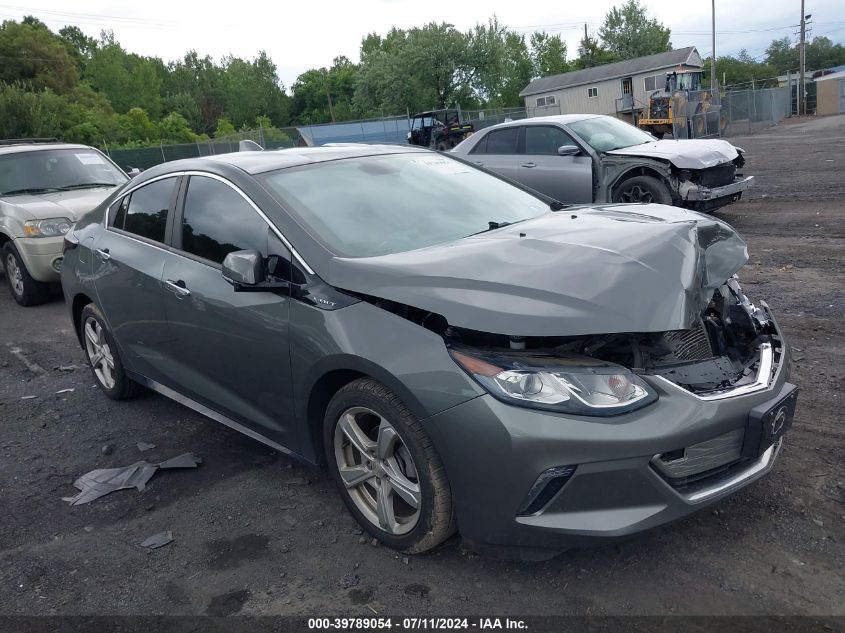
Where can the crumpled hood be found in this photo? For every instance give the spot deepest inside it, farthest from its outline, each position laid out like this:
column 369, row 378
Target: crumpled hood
column 684, row 153
column 60, row 204
column 587, row 270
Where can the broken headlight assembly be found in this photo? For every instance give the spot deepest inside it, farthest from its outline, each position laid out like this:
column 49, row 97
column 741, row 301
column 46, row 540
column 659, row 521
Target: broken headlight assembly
column 565, row 384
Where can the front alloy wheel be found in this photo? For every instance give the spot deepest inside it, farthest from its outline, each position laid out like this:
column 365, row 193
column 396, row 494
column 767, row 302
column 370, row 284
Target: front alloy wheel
column 379, row 473
column 386, row 468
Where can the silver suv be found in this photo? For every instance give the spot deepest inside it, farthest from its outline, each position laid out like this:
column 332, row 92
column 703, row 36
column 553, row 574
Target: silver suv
column 45, row 186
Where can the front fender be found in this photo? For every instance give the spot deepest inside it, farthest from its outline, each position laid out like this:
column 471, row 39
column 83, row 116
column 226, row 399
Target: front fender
column 616, row 168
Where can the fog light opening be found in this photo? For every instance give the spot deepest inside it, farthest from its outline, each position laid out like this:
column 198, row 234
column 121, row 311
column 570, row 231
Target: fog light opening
column 548, row 484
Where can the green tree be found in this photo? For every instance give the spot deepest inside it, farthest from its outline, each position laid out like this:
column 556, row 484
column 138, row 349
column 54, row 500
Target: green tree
column 174, row 127
column 136, row 124
column 782, row 55
column 33, row 54
column 27, row 113
column 224, row 128
column 417, row 69
column 592, row 53
column 200, row 80
column 128, row 80
column 252, row 88
column 628, row 32
column 80, row 46
column 548, row 54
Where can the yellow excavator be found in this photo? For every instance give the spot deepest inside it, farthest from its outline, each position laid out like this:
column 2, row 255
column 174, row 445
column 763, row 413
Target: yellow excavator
column 682, row 108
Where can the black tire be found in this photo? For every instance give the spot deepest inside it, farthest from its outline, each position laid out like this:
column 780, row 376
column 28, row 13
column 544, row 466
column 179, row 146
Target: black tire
column 25, row 290
column 436, row 519
column 642, row 189
column 123, row 387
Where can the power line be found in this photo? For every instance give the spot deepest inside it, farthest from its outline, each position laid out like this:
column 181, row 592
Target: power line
column 88, row 16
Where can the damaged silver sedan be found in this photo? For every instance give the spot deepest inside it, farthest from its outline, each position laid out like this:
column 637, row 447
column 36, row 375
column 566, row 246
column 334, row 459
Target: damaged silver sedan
column 462, row 354
column 584, row 158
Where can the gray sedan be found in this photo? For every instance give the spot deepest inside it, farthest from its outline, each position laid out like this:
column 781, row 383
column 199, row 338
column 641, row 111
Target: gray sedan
column 460, row 353
column 582, row 158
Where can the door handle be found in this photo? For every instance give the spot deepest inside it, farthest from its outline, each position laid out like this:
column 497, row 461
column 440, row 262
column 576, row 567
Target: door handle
column 103, row 253
column 177, row 287
column 528, row 164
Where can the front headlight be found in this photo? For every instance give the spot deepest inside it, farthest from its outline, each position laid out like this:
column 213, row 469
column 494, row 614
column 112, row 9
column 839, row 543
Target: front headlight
column 51, row 227
column 570, row 384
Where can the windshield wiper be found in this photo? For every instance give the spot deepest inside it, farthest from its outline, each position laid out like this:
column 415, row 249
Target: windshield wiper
column 88, row 185
column 13, row 192
column 557, row 205
column 492, row 225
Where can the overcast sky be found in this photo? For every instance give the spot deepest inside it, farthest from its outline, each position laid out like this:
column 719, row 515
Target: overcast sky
column 309, row 33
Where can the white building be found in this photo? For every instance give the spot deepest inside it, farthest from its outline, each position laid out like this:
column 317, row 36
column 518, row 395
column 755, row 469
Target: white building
column 621, row 87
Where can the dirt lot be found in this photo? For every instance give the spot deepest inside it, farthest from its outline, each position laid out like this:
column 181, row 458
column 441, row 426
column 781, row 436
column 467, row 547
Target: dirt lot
column 257, row 534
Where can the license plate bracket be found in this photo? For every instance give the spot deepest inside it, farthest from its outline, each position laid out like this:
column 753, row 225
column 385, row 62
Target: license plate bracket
column 768, row 422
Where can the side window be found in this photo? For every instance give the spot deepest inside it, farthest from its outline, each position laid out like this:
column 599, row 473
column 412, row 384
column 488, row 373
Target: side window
column 144, row 211
column 502, row 141
column 217, row 221
column 481, row 146
column 117, row 212
column 545, row 139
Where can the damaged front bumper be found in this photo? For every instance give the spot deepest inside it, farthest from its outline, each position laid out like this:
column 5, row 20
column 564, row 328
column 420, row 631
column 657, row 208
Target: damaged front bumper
column 611, row 477
column 693, row 192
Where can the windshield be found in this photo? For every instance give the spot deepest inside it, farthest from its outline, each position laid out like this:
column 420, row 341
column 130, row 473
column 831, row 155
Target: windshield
column 56, row 170
column 375, row 205
column 605, row 133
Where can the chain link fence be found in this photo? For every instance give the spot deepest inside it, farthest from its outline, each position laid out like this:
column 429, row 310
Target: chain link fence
column 146, row 157
column 748, row 111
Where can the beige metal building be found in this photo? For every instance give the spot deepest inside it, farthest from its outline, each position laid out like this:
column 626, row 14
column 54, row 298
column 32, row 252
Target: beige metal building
column 830, row 94
column 621, row 87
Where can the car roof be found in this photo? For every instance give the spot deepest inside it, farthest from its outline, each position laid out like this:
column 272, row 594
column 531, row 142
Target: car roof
column 28, row 146
column 564, row 119
column 259, row 162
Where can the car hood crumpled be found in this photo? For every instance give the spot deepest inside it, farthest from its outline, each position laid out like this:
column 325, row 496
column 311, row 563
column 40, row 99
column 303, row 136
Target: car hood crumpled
column 586, row 270
column 60, row 204
column 684, row 153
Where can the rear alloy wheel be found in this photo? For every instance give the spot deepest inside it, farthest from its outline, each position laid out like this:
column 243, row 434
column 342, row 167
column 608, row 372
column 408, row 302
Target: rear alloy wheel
column 642, row 190
column 25, row 290
column 386, row 468
column 103, row 357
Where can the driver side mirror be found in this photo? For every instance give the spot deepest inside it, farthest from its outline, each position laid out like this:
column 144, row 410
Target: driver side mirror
column 568, row 150
column 246, row 271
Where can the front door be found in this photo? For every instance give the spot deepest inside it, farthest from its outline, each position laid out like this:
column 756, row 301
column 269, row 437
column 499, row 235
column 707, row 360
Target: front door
column 230, row 349
column 128, row 261
column 565, row 178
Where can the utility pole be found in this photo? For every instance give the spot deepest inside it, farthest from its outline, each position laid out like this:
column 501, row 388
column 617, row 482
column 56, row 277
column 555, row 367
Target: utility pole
column 586, row 47
column 713, row 79
column 802, row 103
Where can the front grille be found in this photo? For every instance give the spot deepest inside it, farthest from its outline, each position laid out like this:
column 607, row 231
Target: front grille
column 717, row 176
column 692, row 463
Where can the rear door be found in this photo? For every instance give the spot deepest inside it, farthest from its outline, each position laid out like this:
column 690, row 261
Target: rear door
column 565, row 178
column 230, row 349
column 497, row 151
column 128, row 261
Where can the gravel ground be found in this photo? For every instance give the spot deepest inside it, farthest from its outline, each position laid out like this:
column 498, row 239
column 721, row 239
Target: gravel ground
column 258, row 534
